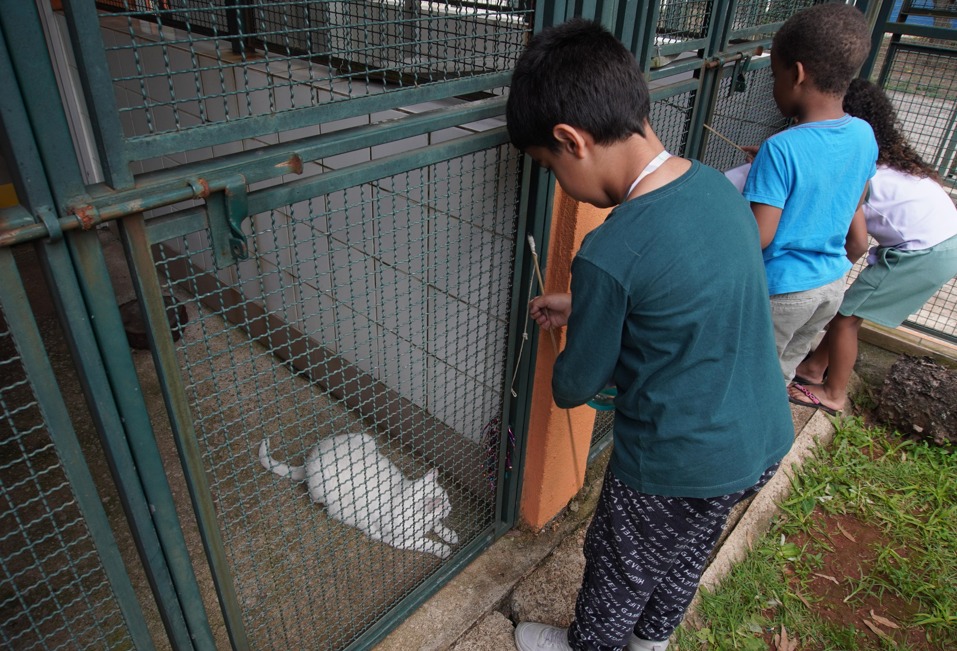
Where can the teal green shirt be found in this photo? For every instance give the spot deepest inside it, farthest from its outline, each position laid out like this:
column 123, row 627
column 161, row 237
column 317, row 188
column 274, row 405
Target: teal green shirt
column 669, row 300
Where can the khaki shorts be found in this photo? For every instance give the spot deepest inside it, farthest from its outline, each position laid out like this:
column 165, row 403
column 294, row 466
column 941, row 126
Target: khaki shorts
column 798, row 317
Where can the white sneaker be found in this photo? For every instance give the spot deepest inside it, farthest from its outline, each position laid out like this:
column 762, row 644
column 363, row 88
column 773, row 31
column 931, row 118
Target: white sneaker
column 530, row 636
column 635, row 643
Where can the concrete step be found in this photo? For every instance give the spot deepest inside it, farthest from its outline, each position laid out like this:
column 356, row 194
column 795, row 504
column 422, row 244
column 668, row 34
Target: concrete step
column 535, row 576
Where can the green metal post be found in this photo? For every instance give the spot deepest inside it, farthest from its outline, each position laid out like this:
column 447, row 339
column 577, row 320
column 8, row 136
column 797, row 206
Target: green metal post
column 878, row 29
column 150, row 296
column 646, row 35
column 123, row 384
column 710, row 78
column 84, row 28
column 31, row 70
column 534, row 218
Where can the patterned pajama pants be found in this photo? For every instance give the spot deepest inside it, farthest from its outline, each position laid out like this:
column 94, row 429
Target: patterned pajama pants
column 644, row 556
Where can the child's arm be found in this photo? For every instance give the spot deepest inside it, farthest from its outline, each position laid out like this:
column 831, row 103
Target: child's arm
column 593, row 339
column 856, row 243
column 768, row 218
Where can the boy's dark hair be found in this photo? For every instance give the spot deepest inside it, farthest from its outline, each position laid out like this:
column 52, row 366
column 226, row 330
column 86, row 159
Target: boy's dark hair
column 579, row 74
column 868, row 102
column 830, row 40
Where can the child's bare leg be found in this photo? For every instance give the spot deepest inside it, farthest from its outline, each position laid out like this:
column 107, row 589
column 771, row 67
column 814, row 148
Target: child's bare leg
column 842, row 359
column 813, row 367
column 842, row 351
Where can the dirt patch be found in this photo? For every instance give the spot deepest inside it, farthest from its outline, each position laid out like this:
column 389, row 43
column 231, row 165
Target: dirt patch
column 850, row 550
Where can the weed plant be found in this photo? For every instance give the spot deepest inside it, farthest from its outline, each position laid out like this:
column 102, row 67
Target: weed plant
column 902, row 494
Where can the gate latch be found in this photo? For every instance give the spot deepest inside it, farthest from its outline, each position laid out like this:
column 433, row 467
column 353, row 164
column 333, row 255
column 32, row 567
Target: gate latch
column 739, row 82
column 227, row 208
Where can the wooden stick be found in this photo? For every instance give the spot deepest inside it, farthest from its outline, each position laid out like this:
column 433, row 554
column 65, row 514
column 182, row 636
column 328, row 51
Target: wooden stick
column 726, row 139
column 541, row 285
column 551, row 332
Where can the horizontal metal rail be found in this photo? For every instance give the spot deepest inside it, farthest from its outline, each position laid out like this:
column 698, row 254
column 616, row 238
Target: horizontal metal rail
column 198, row 180
column 143, row 147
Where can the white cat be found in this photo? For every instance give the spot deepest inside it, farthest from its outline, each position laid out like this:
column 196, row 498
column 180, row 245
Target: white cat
column 361, row 487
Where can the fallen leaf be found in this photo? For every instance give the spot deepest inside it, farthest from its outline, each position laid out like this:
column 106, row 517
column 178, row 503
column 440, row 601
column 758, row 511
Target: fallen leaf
column 883, row 621
column 783, row 643
column 829, row 578
column 846, row 535
column 871, row 625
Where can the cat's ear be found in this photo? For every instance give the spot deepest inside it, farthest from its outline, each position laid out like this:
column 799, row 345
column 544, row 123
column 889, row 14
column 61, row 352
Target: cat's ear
column 432, row 475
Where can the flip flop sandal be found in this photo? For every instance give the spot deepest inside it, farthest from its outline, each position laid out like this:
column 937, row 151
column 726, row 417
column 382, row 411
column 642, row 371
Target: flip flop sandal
column 815, row 402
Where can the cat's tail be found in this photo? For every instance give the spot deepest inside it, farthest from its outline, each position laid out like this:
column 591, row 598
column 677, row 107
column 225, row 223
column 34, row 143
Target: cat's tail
column 297, row 473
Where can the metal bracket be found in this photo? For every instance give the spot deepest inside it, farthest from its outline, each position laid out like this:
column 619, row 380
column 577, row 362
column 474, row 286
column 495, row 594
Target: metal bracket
column 739, row 82
column 49, row 219
column 227, row 209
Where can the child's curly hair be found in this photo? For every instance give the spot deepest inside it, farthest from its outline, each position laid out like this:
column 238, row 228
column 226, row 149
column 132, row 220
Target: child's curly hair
column 868, row 102
column 830, row 40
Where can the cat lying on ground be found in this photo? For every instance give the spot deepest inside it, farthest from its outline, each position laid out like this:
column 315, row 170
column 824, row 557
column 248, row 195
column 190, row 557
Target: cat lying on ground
column 361, row 487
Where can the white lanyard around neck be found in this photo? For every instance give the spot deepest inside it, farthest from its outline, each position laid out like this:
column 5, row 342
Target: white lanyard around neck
column 652, row 165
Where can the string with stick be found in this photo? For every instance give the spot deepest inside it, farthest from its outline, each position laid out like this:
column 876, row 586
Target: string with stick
column 568, row 414
column 541, row 284
column 726, row 139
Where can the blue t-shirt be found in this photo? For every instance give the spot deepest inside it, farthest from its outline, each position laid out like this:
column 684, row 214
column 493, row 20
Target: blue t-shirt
column 816, row 173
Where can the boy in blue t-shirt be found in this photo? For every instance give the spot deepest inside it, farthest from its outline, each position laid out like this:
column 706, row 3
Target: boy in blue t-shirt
column 806, row 183
column 669, row 300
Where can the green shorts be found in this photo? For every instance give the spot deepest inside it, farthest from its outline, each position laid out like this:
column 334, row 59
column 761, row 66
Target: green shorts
column 899, row 283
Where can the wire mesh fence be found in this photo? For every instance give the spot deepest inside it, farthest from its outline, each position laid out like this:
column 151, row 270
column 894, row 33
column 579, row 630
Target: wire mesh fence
column 742, row 115
column 604, row 427
column 379, row 311
column 670, row 116
column 922, row 84
column 182, row 65
column 757, row 19
column 686, row 20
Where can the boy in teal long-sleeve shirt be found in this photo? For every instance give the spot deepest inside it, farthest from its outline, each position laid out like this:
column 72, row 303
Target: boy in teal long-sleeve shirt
column 669, row 300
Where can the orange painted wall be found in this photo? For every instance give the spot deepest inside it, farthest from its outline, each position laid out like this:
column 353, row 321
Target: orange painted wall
column 558, row 439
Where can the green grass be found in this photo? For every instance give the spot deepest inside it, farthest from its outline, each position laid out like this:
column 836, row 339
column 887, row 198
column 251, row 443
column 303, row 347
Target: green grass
column 903, row 494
